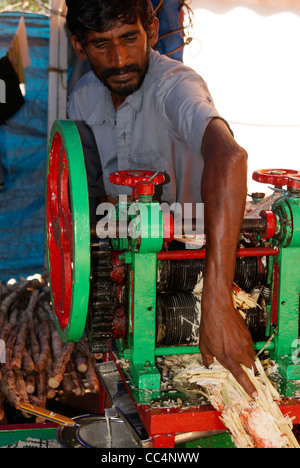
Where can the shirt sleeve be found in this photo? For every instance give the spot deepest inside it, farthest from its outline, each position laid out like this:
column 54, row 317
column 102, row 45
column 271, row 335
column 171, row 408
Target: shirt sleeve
column 187, row 107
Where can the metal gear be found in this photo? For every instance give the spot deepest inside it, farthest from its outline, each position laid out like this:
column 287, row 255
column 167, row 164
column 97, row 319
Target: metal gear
column 106, row 318
column 101, row 301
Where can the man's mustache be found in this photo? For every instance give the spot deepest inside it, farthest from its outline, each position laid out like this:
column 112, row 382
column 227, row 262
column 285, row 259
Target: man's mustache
column 114, row 71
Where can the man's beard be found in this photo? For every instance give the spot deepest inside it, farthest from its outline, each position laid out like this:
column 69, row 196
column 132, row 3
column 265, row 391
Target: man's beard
column 123, row 89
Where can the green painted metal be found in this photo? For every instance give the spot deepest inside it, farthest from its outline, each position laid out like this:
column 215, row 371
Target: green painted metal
column 286, row 349
column 79, row 206
column 13, row 435
column 143, row 321
column 146, row 234
column 221, row 440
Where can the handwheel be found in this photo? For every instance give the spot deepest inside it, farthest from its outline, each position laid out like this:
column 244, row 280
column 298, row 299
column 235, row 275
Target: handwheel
column 142, row 182
column 68, row 230
column 133, row 178
column 277, row 177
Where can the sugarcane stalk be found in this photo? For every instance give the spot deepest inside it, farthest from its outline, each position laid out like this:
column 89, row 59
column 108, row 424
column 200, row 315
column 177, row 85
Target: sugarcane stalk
column 60, row 365
column 81, row 361
column 27, row 362
column 3, row 419
column 30, row 382
column 8, row 388
column 91, row 376
column 20, row 344
column 44, row 339
column 76, row 381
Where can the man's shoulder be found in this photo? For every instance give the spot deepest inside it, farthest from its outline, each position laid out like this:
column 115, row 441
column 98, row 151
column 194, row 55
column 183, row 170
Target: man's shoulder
column 166, row 74
column 162, row 66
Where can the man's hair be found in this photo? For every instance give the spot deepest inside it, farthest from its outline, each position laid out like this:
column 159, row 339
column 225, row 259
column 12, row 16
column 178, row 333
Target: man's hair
column 103, row 15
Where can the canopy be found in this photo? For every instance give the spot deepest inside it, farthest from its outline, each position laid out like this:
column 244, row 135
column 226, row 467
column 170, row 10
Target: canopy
column 263, row 7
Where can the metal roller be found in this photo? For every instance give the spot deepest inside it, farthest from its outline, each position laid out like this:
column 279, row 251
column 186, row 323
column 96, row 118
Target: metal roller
column 178, row 319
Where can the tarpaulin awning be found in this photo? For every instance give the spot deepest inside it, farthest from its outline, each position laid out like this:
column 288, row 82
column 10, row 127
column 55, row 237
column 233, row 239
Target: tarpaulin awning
column 23, row 150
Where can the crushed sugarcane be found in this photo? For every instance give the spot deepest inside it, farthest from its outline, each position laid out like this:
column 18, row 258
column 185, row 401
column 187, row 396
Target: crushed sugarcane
column 252, row 423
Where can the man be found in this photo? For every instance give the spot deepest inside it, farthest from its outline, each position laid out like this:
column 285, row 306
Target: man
column 145, row 111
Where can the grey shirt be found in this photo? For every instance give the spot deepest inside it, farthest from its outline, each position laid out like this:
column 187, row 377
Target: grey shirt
column 159, row 127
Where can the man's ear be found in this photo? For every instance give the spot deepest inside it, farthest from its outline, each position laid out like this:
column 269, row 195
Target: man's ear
column 152, row 32
column 78, row 47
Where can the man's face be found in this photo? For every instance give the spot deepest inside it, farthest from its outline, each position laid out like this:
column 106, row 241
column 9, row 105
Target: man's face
column 119, row 57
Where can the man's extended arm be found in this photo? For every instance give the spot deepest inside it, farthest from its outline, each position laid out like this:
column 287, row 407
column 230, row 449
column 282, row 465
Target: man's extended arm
column 223, row 333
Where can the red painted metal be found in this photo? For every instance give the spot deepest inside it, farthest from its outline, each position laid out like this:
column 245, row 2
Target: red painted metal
column 294, row 182
column 271, row 223
column 118, row 268
column 168, row 227
column 60, row 233
column 277, row 177
column 142, row 182
column 164, row 441
column 119, row 322
column 192, row 254
column 132, row 178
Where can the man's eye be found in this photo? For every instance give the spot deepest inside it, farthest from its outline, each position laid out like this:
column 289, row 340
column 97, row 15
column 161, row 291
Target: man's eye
column 100, row 45
column 130, row 39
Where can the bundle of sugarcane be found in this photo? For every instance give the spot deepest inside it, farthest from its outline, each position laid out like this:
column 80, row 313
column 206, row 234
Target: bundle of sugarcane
column 38, row 365
column 252, row 423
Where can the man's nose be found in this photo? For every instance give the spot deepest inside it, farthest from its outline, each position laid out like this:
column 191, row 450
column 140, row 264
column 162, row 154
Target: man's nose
column 118, row 55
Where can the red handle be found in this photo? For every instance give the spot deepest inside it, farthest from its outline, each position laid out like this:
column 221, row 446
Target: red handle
column 132, row 178
column 278, row 177
column 142, row 182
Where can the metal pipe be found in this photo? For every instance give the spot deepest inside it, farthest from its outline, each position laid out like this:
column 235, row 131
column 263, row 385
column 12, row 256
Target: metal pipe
column 192, row 254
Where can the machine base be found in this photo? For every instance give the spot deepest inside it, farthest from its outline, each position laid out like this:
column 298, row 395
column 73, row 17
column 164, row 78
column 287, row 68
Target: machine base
column 160, row 426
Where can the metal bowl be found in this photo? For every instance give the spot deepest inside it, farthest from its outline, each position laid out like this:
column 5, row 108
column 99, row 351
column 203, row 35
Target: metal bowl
column 101, row 433
column 67, row 436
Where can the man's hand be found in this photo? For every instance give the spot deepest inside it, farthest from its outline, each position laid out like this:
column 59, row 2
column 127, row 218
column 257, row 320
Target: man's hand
column 223, row 335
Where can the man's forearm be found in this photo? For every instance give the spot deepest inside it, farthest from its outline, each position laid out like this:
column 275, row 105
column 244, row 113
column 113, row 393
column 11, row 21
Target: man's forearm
column 224, row 189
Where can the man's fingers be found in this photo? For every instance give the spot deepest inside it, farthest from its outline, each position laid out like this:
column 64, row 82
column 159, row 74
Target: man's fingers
column 207, row 359
column 242, row 378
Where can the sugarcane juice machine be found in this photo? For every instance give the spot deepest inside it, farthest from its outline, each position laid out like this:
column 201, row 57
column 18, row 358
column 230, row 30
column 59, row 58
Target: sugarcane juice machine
column 134, row 295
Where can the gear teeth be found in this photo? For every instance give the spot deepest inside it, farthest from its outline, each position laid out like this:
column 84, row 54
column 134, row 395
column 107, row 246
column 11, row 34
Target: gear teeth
column 101, row 304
